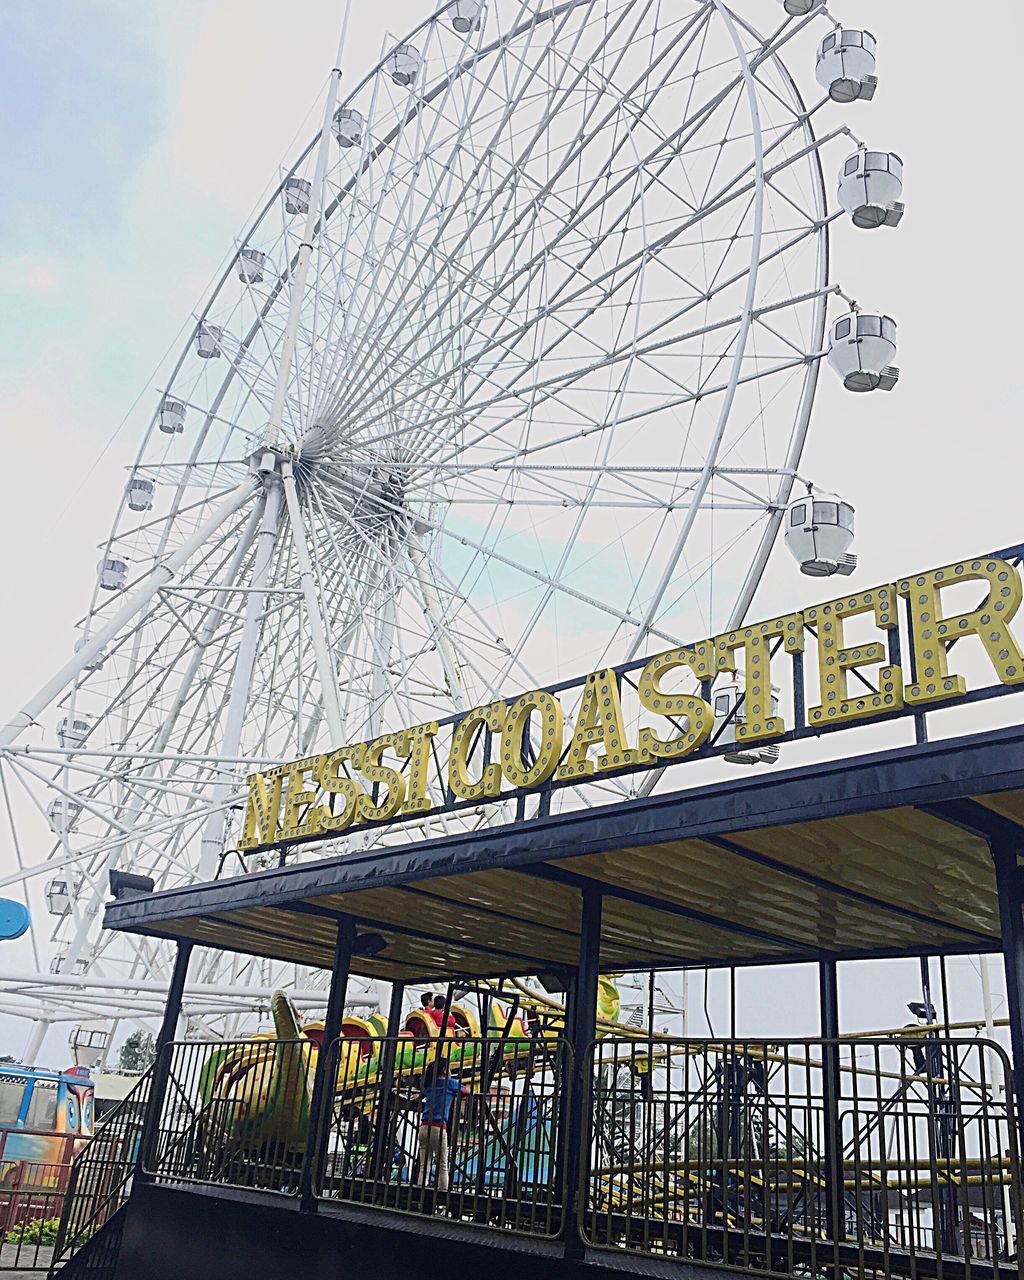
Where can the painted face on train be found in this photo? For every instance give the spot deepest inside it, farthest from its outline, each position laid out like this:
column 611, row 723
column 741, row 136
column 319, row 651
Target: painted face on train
column 75, row 1110
column 45, row 1104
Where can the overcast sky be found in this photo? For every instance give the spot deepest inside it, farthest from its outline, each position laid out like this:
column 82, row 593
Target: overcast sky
column 136, row 139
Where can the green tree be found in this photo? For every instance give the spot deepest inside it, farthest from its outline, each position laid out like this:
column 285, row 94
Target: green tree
column 137, row 1053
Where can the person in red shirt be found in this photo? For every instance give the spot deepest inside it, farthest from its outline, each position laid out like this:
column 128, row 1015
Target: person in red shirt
column 435, row 1012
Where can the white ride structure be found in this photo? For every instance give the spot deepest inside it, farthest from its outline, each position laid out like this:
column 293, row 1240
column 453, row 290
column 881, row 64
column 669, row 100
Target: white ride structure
column 870, row 186
column 861, row 349
column 513, row 369
column 819, row 533
column 846, row 65
column 727, row 702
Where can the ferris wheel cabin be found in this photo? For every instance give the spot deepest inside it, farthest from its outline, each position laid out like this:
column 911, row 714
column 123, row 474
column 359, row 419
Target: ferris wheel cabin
column 819, row 533
column 861, row 350
column 171, row 417
column 208, row 341
column 348, row 127
column 404, row 65
column 465, row 15
column 846, row 65
column 112, row 572
column 250, row 266
column 727, row 701
column 296, row 195
column 58, row 893
column 96, row 661
column 139, row 493
column 62, row 814
column 72, row 732
column 870, row 186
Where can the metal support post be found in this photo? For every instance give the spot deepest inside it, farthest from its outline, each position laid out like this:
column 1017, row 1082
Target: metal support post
column 582, row 1031
column 314, row 616
column 162, row 1061
column 1011, row 921
column 941, row 1114
column 828, row 989
column 382, row 1144
column 321, row 1104
column 314, row 214
column 212, row 844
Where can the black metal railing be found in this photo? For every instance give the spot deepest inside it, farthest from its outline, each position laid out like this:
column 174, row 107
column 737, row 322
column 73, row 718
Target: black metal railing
column 479, row 1139
column 232, row 1113
column 468, row 1127
column 844, row 1157
column 101, row 1174
column 31, row 1199
column 854, row 1158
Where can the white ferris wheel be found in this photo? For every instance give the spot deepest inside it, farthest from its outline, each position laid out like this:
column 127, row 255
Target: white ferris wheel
column 513, row 370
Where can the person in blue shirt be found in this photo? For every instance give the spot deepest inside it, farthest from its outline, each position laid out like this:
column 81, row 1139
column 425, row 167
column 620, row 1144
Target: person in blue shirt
column 438, row 1092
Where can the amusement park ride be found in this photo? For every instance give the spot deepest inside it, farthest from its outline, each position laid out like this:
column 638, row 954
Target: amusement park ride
column 523, row 346
column 518, row 361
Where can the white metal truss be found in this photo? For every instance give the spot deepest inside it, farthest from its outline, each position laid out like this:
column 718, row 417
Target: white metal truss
column 522, row 392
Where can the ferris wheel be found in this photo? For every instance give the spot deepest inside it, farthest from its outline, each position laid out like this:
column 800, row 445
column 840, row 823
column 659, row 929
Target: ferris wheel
column 514, row 368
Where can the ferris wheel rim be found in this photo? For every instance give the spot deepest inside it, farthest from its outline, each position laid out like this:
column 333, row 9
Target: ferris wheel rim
column 441, row 84
column 810, row 373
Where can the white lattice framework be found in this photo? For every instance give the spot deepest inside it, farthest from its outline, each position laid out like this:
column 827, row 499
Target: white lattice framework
column 524, row 393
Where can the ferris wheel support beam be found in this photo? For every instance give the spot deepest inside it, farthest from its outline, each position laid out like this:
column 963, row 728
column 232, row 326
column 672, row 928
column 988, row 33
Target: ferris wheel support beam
column 210, row 623
column 711, row 460
column 36, row 1037
column 788, row 471
column 799, row 437
column 432, row 605
column 159, row 578
column 318, row 633
column 305, row 254
column 245, row 664
column 213, row 619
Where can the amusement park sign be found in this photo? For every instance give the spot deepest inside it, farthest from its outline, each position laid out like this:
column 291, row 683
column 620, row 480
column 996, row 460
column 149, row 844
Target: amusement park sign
column 524, row 745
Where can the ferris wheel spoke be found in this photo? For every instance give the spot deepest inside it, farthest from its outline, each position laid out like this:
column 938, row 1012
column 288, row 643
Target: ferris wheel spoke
column 517, row 89
column 529, row 365
column 517, row 164
column 629, row 261
column 650, row 334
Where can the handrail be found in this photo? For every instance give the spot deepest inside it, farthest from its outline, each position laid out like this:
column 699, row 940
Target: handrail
column 85, row 1187
column 839, row 1154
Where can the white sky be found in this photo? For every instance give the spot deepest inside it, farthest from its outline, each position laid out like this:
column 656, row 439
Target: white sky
column 137, row 138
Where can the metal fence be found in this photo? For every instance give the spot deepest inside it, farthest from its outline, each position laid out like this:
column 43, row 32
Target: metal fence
column 845, row 1157
column 101, row 1174
column 468, row 1127
column 478, row 1138
column 232, row 1114
column 852, row 1158
column 31, row 1198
